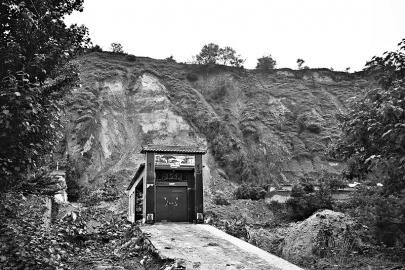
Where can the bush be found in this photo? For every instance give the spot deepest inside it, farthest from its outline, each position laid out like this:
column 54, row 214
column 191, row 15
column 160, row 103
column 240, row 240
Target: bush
column 117, row 48
column 219, row 199
column 304, row 201
column 252, row 192
column 266, row 63
column 308, row 187
column 170, row 59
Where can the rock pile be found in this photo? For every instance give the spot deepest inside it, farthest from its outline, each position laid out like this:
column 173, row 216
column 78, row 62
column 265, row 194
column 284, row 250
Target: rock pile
column 325, row 233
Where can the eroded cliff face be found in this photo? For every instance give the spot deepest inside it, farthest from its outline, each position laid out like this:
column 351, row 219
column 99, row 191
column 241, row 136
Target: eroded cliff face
column 265, row 127
column 106, row 138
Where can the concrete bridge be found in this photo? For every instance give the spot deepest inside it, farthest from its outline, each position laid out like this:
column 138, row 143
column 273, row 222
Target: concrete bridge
column 204, row 247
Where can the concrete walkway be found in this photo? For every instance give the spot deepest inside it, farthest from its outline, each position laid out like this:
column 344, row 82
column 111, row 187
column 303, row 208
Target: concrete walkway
column 204, row 247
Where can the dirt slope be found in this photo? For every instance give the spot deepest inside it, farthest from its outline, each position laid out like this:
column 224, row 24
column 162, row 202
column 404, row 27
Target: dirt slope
column 263, row 127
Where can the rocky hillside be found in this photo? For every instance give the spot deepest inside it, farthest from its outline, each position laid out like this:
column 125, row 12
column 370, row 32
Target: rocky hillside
column 258, row 126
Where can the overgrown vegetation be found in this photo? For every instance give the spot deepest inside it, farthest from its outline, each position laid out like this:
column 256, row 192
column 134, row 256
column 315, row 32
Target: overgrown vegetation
column 85, row 238
column 373, row 141
column 382, row 214
column 35, row 48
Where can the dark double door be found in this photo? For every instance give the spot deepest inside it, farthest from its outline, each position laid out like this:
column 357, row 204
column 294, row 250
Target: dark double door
column 171, row 203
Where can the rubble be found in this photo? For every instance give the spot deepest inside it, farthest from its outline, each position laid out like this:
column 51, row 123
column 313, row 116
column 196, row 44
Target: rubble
column 79, row 237
column 324, row 233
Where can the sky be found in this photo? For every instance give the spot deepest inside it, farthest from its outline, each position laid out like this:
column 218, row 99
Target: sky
column 325, row 33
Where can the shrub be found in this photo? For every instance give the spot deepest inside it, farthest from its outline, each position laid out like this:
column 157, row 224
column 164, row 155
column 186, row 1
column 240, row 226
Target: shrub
column 170, row 59
column 308, row 187
column 336, row 182
column 304, row 202
column 219, row 199
column 252, row 192
column 117, row 48
column 266, row 63
column 300, row 62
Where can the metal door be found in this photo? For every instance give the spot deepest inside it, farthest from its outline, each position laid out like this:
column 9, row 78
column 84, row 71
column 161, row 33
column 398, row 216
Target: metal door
column 171, row 203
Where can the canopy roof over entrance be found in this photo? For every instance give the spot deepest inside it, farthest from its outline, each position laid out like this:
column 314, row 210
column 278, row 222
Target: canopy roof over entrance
column 185, row 149
column 137, row 174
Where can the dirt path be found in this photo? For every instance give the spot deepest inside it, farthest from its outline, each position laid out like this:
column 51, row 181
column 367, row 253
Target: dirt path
column 207, row 248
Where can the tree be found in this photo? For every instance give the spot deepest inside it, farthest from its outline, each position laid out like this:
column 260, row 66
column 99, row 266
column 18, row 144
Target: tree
column 266, row 63
column 300, row 62
column 35, row 48
column 117, row 48
column 213, row 54
column 305, row 200
column 373, row 142
column 228, row 56
column 374, row 130
column 208, row 55
column 225, row 55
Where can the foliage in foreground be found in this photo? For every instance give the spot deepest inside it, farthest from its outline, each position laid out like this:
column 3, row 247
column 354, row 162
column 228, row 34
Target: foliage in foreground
column 25, row 243
column 374, row 130
column 80, row 239
column 35, row 48
column 373, row 142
